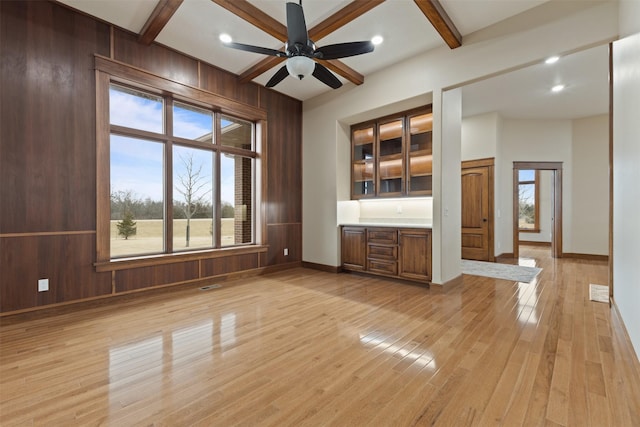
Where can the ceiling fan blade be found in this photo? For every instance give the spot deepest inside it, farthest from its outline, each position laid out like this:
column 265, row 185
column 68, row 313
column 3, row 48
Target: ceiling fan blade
column 278, row 76
column 325, row 76
column 255, row 49
column 343, row 50
column 296, row 27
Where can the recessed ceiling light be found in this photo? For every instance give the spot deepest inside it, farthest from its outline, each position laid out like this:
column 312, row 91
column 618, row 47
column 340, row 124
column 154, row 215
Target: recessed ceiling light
column 225, row 38
column 557, row 88
column 376, row 40
column 552, row 60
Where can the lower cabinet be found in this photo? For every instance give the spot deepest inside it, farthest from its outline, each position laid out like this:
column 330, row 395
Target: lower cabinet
column 395, row 252
column 354, row 247
column 415, row 254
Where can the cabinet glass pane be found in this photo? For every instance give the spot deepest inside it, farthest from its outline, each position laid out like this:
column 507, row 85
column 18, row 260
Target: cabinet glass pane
column 363, row 152
column 390, row 147
column 420, row 153
column 364, row 188
column 391, row 185
column 390, row 157
column 391, row 138
column 421, row 124
column 363, row 171
column 363, row 183
column 421, row 142
column 363, row 136
column 420, row 183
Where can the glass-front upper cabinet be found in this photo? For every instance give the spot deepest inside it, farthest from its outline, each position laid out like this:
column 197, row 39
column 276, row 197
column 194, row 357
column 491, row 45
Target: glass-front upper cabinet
column 392, row 156
column 390, row 159
column 362, row 162
column 420, row 152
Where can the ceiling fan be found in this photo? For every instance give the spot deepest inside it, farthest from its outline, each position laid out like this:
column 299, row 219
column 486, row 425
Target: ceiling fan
column 300, row 51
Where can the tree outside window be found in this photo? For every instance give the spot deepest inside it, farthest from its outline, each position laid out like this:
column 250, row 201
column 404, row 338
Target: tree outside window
column 529, row 200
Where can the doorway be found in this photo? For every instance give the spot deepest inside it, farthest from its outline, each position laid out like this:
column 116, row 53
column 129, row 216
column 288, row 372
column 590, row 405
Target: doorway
column 556, row 202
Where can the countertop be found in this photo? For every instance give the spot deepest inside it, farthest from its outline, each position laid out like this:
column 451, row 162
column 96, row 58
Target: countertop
column 388, row 224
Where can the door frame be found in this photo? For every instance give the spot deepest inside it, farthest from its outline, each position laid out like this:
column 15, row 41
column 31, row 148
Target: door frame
column 556, row 229
column 489, row 163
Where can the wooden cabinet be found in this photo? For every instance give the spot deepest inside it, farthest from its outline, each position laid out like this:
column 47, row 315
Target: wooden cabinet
column 382, row 251
column 390, row 161
column 420, row 153
column 392, row 156
column 395, row 252
column 363, row 177
column 354, row 248
column 415, row 254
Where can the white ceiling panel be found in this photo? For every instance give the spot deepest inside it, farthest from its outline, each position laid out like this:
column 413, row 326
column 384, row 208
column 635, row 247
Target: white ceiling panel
column 473, row 15
column 195, row 29
column 527, row 94
column 128, row 14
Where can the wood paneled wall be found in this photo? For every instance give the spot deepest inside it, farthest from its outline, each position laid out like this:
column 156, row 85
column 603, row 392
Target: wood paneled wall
column 48, row 157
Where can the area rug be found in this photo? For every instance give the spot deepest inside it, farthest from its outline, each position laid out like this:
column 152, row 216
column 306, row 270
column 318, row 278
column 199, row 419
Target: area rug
column 516, row 273
column 598, row 293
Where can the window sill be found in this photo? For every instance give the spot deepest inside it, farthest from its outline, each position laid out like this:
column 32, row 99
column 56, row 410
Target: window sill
column 127, row 263
column 529, row 230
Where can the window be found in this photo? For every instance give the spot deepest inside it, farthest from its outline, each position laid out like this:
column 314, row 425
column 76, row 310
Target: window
column 529, row 200
column 181, row 175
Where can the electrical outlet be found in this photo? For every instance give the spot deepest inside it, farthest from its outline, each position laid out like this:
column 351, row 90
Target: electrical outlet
column 286, row 251
column 43, row 285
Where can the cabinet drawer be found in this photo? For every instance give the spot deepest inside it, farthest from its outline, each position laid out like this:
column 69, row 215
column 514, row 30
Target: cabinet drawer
column 383, row 267
column 381, row 235
column 383, row 252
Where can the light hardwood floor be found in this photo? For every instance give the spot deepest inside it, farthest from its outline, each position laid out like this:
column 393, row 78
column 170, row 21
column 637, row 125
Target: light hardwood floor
column 309, row 348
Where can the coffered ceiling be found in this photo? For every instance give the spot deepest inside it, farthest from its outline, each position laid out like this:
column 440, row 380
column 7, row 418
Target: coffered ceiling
column 194, row 27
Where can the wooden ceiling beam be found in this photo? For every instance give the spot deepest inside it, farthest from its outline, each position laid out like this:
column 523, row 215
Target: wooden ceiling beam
column 344, row 70
column 163, row 11
column 438, row 17
column 261, row 67
column 255, row 16
column 258, row 18
column 342, row 17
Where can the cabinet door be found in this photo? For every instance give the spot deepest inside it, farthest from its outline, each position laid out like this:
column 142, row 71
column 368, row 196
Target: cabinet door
column 390, row 159
column 420, row 154
column 362, row 162
column 354, row 248
column 415, row 254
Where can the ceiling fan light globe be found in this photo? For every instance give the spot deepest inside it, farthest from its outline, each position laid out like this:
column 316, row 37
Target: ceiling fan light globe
column 300, row 66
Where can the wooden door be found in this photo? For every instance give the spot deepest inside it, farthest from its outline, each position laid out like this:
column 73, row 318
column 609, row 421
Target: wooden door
column 477, row 210
column 354, row 248
column 415, row 254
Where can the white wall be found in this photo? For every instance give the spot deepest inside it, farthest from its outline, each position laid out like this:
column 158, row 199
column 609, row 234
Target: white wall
column 480, row 136
column 626, row 183
column 590, row 197
column 535, row 141
column 629, row 17
column 585, row 149
column 554, row 27
column 447, row 190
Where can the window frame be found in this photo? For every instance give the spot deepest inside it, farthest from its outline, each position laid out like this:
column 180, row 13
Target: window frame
column 536, row 201
column 110, row 72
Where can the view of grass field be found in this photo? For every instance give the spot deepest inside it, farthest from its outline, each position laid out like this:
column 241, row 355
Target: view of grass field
column 148, row 237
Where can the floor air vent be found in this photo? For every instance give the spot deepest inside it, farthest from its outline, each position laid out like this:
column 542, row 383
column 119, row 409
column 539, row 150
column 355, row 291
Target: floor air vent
column 208, row 288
